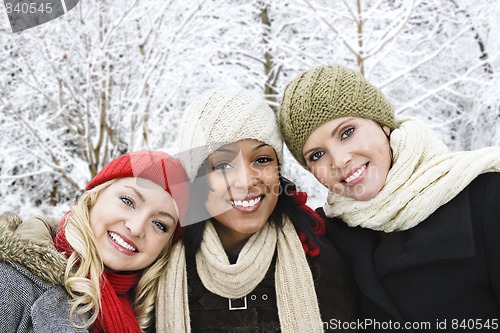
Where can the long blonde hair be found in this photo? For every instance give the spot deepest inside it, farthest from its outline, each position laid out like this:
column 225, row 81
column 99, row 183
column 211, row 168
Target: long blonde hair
column 84, row 268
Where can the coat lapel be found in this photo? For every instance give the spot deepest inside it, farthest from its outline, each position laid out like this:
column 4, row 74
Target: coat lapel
column 446, row 235
column 360, row 256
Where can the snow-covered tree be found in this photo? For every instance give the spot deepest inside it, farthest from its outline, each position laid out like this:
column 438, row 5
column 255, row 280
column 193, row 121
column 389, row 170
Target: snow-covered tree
column 103, row 81
column 112, row 77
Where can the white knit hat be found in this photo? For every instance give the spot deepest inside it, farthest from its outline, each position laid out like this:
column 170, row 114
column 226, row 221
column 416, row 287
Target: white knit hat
column 223, row 116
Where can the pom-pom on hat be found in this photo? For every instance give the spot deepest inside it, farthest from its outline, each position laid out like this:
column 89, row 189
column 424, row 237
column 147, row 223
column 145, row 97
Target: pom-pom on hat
column 224, row 116
column 157, row 166
column 325, row 93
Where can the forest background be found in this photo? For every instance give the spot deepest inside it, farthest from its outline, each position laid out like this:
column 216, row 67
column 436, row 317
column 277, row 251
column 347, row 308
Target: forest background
column 111, row 77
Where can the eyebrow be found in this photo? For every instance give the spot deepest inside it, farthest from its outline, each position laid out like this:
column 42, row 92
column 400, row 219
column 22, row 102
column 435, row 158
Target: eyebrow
column 232, row 150
column 141, row 197
column 136, row 192
column 332, row 134
column 167, row 215
column 225, row 150
column 262, row 145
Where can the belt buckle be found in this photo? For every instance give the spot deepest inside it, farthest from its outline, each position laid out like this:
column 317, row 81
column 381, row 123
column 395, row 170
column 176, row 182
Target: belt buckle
column 244, row 307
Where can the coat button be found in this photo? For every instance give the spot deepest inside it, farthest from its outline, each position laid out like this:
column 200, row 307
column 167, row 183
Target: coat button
column 253, row 297
column 264, row 297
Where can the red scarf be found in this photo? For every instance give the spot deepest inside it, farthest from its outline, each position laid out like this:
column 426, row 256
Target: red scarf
column 117, row 315
column 117, row 292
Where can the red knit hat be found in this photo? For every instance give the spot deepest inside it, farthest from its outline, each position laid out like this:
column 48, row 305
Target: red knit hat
column 157, row 166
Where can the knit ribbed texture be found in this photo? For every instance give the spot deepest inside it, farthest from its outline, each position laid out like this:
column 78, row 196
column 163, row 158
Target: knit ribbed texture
column 238, row 280
column 325, row 93
column 117, row 315
column 423, row 177
column 223, row 116
column 157, row 166
column 297, row 303
column 298, row 307
column 172, row 307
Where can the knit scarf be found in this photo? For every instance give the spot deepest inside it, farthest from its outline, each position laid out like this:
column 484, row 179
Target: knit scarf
column 293, row 276
column 423, row 177
column 117, row 314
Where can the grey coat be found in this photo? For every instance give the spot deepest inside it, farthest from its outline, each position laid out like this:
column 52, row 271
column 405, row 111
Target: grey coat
column 32, row 298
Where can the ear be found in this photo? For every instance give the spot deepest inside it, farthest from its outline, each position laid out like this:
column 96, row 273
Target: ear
column 387, row 130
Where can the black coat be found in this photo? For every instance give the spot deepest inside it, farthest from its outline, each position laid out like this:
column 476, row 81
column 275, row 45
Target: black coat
column 444, row 272
column 335, row 288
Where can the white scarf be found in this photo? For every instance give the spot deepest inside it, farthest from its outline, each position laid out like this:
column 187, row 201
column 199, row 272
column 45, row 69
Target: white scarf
column 295, row 293
column 423, row 177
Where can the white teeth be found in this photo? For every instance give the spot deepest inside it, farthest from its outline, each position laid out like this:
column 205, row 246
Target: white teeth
column 246, row 203
column 355, row 175
column 121, row 242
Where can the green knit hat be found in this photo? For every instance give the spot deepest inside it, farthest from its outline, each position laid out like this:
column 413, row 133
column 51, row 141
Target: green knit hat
column 325, row 93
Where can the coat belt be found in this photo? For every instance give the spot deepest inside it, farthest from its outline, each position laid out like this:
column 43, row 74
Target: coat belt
column 262, row 297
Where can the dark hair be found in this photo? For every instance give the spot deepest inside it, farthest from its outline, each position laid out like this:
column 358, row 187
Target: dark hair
column 192, row 233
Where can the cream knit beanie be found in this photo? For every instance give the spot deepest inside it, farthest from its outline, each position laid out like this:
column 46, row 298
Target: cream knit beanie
column 223, row 116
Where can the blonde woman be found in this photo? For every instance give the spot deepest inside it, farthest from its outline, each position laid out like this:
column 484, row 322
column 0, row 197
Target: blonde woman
column 111, row 248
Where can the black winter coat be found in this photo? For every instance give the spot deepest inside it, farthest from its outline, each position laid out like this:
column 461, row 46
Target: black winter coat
column 441, row 276
column 335, row 288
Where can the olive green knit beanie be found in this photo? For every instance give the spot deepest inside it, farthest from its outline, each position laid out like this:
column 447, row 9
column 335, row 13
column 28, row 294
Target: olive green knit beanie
column 325, row 93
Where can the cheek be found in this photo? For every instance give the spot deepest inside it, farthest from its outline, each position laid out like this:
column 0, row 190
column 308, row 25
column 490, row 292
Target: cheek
column 385, row 159
column 320, row 172
column 95, row 227
column 215, row 204
column 160, row 245
column 270, row 177
column 214, row 183
column 211, row 200
column 274, row 195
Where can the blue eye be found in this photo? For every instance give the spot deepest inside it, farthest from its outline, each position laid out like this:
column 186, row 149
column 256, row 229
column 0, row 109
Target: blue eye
column 160, row 225
column 222, row 166
column 127, row 201
column 347, row 133
column 316, row 156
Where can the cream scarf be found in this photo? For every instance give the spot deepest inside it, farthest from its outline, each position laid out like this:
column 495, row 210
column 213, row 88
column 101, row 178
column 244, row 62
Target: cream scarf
column 423, row 177
column 295, row 293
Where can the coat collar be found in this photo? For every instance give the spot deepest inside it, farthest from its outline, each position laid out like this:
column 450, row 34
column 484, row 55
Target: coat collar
column 44, row 262
column 446, row 235
column 359, row 255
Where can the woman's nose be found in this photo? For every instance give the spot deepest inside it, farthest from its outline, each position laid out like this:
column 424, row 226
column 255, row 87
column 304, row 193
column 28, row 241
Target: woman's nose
column 245, row 177
column 136, row 226
column 340, row 158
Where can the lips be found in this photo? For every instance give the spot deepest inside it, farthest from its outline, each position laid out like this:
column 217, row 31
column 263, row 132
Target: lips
column 247, row 205
column 355, row 175
column 117, row 239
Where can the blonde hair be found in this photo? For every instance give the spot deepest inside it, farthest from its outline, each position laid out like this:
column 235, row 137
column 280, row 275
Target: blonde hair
column 84, row 269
